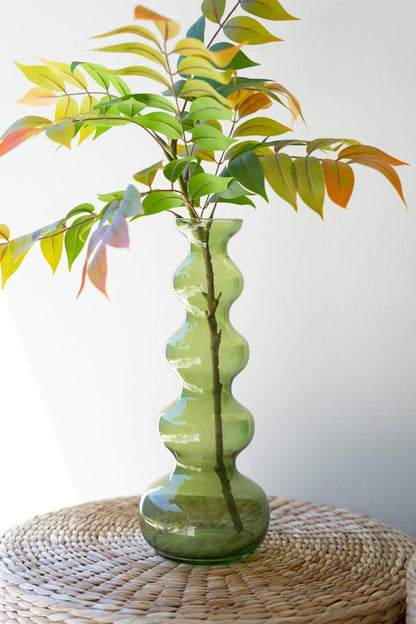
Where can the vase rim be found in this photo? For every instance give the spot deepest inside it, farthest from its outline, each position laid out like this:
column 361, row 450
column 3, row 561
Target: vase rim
column 213, row 220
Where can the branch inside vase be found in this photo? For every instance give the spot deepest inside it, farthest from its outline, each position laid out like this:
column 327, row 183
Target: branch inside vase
column 215, row 341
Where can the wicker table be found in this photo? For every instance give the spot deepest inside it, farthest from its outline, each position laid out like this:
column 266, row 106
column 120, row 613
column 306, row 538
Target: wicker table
column 89, row 564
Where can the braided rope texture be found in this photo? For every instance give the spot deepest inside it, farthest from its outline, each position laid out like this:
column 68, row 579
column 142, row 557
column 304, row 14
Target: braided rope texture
column 90, row 564
column 411, row 591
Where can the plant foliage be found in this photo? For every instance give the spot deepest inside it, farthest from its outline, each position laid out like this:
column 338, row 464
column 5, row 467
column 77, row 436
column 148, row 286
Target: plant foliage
column 206, row 117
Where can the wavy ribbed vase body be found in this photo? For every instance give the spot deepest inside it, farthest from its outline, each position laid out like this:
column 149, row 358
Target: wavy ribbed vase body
column 206, row 511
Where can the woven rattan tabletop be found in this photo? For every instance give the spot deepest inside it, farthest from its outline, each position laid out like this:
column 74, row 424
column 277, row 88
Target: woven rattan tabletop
column 89, row 564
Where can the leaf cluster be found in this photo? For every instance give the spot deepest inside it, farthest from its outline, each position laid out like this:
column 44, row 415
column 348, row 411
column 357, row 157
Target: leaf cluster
column 207, row 118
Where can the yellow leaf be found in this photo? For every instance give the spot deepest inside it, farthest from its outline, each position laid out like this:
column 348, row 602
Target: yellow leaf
column 87, row 105
column 247, row 30
column 42, row 76
column 38, row 97
column 66, row 107
column 75, row 78
column 167, row 27
column 61, row 133
column 194, row 47
column 51, row 248
column 140, row 70
column 3, row 248
column 9, row 265
column 4, row 231
column 131, row 30
column 200, row 88
column 194, row 66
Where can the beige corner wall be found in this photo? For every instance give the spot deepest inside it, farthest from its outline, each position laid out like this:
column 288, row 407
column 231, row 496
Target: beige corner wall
column 329, row 308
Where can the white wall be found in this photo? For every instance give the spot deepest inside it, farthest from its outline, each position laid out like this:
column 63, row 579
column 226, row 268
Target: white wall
column 328, row 308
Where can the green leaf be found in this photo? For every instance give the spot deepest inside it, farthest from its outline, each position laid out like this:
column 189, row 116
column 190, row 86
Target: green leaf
column 80, row 209
column 241, row 200
column 197, row 66
column 97, row 72
column 210, row 138
column 176, row 167
column 213, row 10
column 76, row 237
column 140, row 70
column 310, row 183
column 119, row 85
column 206, row 183
column 260, row 126
column 130, row 106
column 197, row 30
column 323, row 144
column 42, row 76
column 247, row 30
column 61, row 133
column 280, row 173
column 199, row 89
column 162, row 122
column 208, row 108
column 158, row 201
column 240, row 60
column 146, row 176
column 247, row 170
column 136, row 48
column 152, row 100
column 241, row 82
column 51, row 248
column 267, row 9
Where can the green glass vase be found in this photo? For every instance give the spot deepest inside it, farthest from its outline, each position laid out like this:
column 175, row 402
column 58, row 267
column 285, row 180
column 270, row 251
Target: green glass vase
column 206, row 511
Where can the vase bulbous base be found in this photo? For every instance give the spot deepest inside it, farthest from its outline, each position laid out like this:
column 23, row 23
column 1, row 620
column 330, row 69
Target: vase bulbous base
column 199, row 529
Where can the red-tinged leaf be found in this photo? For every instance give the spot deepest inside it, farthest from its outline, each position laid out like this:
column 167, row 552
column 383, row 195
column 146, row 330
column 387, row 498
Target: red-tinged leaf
column 386, row 170
column 30, row 122
column 339, row 181
column 167, row 27
column 367, row 151
column 310, row 183
column 16, row 138
column 247, row 30
column 293, row 102
column 117, row 233
column 280, row 173
column 97, row 269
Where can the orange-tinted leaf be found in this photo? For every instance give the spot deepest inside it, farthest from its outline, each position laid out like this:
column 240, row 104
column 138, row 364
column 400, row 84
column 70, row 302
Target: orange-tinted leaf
column 339, row 181
column 367, row 151
column 253, row 102
column 247, row 30
column 386, row 170
column 39, row 97
column 280, row 173
column 4, row 231
column 16, row 138
column 167, row 27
